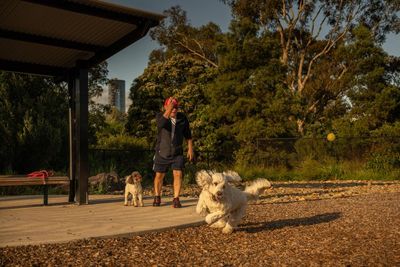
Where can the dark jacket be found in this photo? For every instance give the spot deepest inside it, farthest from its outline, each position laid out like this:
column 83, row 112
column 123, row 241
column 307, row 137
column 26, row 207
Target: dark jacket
column 166, row 147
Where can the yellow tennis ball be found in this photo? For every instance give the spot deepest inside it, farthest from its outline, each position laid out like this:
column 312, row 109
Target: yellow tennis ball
column 331, row 137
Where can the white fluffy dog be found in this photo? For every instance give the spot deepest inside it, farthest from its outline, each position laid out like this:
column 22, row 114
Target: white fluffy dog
column 134, row 187
column 223, row 204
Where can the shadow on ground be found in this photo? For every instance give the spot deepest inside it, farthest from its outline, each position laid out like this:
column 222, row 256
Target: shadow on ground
column 323, row 184
column 274, row 225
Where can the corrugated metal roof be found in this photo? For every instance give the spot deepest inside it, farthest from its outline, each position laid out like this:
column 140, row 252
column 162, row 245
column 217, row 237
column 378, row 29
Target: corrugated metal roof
column 122, row 9
column 41, row 54
column 60, row 33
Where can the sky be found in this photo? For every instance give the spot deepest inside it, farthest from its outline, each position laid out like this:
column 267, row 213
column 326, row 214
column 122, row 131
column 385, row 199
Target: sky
column 130, row 63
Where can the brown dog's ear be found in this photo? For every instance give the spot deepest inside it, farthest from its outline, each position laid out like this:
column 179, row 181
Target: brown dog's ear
column 129, row 179
column 203, row 178
column 135, row 173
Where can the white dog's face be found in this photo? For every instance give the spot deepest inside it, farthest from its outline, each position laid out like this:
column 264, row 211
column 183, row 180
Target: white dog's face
column 216, row 183
column 217, row 186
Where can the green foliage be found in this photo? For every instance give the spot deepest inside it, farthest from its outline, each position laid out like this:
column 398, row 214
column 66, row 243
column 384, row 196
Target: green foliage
column 318, row 73
column 34, row 121
column 252, row 172
column 315, row 170
column 311, row 148
column 181, row 77
column 385, row 155
column 384, row 161
column 97, row 79
column 97, row 112
column 32, row 133
column 177, row 36
column 97, row 121
column 248, row 100
column 113, row 136
column 260, row 98
column 122, row 141
column 310, row 169
column 189, row 174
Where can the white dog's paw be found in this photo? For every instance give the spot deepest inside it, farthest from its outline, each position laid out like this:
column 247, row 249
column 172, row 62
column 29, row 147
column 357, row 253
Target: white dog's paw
column 218, row 224
column 209, row 219
column 227, row 229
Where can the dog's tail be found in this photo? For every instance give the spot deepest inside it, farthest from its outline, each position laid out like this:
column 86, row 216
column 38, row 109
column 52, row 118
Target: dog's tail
column 232, row 176
column 256, row 188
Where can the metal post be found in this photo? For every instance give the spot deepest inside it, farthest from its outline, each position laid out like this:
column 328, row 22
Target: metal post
column 45, row 195
column 72, row 138
column 81, row 126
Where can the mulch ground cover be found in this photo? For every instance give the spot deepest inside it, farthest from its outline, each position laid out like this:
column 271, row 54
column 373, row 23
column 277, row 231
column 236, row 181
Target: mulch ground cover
column 347, row 223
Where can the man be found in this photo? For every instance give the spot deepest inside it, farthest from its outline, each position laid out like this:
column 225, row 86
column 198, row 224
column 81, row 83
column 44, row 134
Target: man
column 172, row 127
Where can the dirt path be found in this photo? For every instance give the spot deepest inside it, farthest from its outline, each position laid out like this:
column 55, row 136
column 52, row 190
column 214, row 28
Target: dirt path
column 295, row 224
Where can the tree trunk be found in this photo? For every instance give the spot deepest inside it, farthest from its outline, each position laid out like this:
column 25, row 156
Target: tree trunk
column 300, row 126
column 284, row 58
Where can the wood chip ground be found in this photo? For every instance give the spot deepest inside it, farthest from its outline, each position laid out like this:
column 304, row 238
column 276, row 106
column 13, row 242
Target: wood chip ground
column 346, row 223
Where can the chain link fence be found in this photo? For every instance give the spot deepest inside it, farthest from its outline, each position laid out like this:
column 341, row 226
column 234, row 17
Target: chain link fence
column 301, row 155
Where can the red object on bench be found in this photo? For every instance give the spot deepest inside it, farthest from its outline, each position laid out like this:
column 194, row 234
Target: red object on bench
column 41, row 174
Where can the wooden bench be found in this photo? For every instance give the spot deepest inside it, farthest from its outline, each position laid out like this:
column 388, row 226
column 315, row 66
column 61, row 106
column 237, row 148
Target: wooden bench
column 18, row 180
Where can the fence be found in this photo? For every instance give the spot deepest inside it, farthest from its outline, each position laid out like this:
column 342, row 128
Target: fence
column 290, row 151
column 291, row 154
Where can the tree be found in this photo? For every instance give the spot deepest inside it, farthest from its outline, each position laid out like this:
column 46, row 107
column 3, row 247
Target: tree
column 177, row 36
column 248, row 100
column 373, row 92
column 97, row 112
column 299, row 25
column 33, row 123
column 113, row 134
column 180, row 76
column 34, row 120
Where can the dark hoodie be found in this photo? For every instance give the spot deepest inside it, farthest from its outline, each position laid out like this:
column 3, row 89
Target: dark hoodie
column 166, row 147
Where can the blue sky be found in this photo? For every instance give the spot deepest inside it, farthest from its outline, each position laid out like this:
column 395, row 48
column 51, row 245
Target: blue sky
column 130, row 62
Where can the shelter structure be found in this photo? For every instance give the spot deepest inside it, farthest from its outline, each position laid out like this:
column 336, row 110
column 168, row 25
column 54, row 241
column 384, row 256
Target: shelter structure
column 63, row 39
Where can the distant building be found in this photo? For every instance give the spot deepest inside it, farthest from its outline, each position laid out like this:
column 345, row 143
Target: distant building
column 116, row 94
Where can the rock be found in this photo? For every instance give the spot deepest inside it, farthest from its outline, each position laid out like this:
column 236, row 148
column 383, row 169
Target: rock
column 105, row 182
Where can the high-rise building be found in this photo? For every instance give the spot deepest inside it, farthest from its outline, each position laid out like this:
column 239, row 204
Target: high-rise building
column 116, row 94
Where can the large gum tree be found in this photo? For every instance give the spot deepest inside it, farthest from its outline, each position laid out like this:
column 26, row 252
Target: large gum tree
column 309, row 32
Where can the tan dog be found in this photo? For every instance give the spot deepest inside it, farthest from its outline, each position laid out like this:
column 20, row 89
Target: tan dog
column 134, row 187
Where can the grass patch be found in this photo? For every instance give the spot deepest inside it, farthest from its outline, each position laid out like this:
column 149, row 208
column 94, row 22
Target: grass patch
column 311, row 169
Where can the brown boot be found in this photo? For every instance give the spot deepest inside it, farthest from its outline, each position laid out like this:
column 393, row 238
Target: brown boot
column 157, row 201
column 177, row 203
